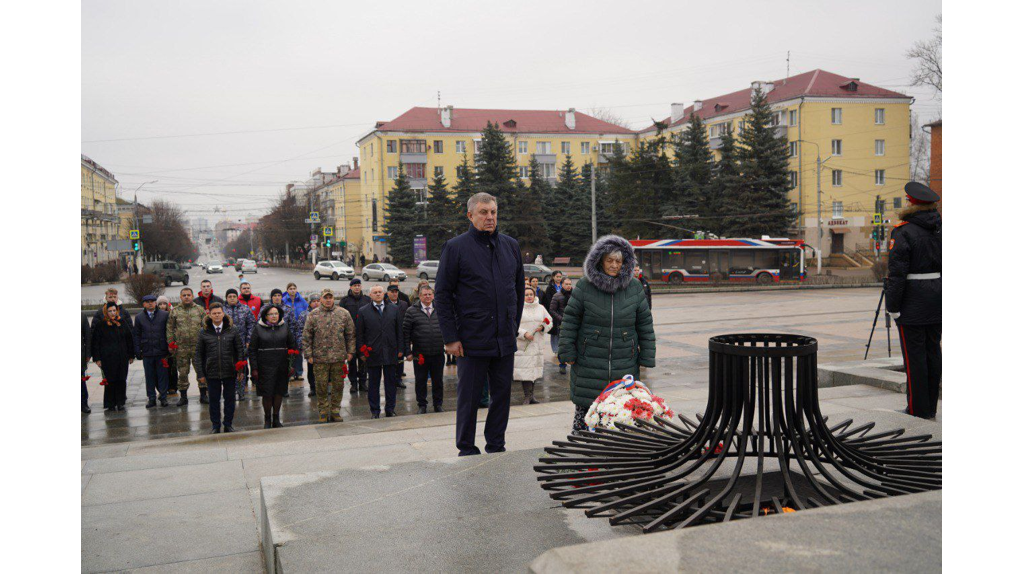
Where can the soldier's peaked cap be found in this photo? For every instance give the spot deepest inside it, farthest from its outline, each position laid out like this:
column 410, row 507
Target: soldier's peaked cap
column 327, row 292
column 920, row 192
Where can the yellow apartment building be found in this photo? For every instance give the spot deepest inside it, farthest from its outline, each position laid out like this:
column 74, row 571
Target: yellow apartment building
column 100, row 219
column 862, row 133
column 428, row 141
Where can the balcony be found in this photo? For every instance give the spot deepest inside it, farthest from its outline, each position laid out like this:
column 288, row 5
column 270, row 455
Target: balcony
column 545, row 158
column 409, row 157
column 418, row 182
column 782, row 132
column 715, row 143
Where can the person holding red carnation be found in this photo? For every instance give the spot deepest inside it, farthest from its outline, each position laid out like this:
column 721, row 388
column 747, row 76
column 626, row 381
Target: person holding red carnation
column 421, row 337
column 529, row 361
column 271, row 349
column 113, row 349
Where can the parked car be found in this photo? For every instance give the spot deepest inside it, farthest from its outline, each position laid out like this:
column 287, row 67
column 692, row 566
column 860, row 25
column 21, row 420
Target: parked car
column 541, row 272
column 247, row 266
column 169, row 271
column 427, row 270
column 383, row 271
column 214, row 268
column 263, row 263
column 334, row 270
column 186, row 265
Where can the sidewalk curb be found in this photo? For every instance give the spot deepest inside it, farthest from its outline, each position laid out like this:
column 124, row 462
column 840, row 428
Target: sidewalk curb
column 745, row 288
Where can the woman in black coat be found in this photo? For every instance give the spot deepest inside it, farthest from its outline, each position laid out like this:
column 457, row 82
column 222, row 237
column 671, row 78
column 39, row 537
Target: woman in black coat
column 270, row 348
column 113, row 349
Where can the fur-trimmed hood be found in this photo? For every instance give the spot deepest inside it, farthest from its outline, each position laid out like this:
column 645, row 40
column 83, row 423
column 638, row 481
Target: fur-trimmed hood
column 925, row 215
column 592, row 265
column 208, row 322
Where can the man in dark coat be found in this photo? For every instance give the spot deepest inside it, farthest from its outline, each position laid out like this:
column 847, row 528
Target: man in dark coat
column 379, row 339
column 218, row 357
column 394, row 297
column 353, row 302
column 394, row 282
column 913, row 296
column 151, row 348
column 639, row 274
column 480, row 287
column 557, row 310
column 422, row 342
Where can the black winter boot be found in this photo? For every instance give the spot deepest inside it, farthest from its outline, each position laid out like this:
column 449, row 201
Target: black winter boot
column 203, row 397
column 183, row 398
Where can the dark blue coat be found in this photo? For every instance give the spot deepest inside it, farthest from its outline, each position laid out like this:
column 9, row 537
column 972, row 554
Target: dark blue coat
column 151, row 334
column 382, row 333
column 479, row 293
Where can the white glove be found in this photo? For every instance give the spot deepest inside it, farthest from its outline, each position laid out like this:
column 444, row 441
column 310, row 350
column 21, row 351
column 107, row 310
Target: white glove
column 895, row 315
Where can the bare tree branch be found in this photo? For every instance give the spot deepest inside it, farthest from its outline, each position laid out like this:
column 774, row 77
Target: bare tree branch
column 928, row 71
column 606, row 115
column 920, row 151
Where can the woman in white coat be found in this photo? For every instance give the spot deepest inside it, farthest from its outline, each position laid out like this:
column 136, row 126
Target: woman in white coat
column 529, row 361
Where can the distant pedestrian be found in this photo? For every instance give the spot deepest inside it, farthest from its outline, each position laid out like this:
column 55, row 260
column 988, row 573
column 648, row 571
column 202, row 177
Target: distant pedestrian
column 249, row 300
column 480, row 288
column 353, row 302
column 557, row 310
column 218, row 357
column 539, row 260
column 113, row 349
column 183, row 327
column 394, row 298
column 529, row 361
column 314, row 302
column 394, row 282
column 553, row 287
column 164, row 304
column 294, row 300
column 423, row 345
column 150, row 333
column 541, row 297
column 329, row 342
column 379, row 339
column 206, row 296
column 241, row 319
column 270, row 355
column 362, row 260
column 639, row 274
column 86, row 353
column 607, row 330
column 110, row 297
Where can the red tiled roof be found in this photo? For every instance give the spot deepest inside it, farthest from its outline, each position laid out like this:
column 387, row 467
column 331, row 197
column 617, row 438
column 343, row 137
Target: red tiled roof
column 352, row 174
column 523, row 121
column 814, row 83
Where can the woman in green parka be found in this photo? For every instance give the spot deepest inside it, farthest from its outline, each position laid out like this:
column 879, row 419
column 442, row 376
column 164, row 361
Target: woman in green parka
column 607, row 330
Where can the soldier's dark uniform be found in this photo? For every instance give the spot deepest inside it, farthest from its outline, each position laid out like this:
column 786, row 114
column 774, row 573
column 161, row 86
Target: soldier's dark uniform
column 913, row 296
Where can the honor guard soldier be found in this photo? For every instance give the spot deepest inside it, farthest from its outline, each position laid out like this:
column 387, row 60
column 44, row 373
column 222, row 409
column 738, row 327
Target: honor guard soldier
column 913, row 296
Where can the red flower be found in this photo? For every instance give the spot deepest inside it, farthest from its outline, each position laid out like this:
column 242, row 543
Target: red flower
column 86, row 378
column 365, row 350
column 172, row 346
column 420, row 360
column 103, row 383
column 240, row 365
column 547, row 321
column 344, row 371
column 164, row 363
column 293, row 351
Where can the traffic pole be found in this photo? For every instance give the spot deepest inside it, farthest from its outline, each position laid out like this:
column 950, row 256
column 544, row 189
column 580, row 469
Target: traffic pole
column 593, row 204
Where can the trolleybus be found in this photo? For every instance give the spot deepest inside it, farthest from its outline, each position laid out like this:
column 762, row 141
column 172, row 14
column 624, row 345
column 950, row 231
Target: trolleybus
column 721, row 260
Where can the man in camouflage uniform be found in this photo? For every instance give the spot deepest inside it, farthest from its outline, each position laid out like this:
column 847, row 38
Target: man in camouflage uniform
column 329, row 342
column 183, row 329
column 243, row 320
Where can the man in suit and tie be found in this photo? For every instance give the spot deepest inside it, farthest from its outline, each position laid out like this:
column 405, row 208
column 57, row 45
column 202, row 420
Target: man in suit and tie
column 379, row 339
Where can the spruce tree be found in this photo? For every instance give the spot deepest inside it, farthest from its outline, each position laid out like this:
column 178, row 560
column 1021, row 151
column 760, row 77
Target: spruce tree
column 619, row 194
column 650, row 181
column 693, row 164
column 527, row 219
column 495, row 164
column 725, row 190
column 464, row 189
column 575, row 218
column 763, row 162
column 440, row 206
column 551, row 209
column 400, row 222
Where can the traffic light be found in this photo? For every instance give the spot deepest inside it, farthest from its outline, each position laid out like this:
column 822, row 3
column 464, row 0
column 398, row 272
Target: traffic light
column 328, row 242
column 135, row 244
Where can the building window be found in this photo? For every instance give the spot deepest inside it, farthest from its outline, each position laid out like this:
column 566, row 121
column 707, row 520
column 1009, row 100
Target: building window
column 414, row 146
column 897, row 203
column 544, row 147
column 837, row 178
column 608, row 148
column 460, row 147
column 837, row 116
column 524, row 147
column 438, row 170
column 837, row 209
column 793, row 149
column 879, row 116
column 524, row 171
column 547, row 170
column 392, row 172
column 478, row 145
column 438, row 146
column 585, row 148
column 416, row 170
column 460, row 171
column 371, row 150
column 879, row 177
column 794, row 207
column 392, row 146
column 792, row 117
column 879, row 147
column 793, row 179
column 837, row 147
column 776, row 118
column 566, row 148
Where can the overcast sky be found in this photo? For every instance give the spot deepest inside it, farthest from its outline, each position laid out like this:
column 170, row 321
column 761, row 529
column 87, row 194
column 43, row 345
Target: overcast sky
column 304, row 80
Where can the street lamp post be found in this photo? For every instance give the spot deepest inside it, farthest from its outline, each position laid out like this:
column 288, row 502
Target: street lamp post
column 819, row 162
column 135, row 217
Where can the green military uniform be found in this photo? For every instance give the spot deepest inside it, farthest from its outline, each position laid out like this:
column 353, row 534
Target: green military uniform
column 326, row 338
column 183, row 327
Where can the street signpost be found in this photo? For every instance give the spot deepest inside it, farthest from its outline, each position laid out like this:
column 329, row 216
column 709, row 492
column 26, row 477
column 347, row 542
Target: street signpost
column 328, row 231
column 133, row 234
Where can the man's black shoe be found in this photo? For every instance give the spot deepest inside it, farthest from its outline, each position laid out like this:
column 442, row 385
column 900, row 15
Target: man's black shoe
column 438, row 409
column 375, row 416
column 470, row 452
column 400, row 385
column 150, row 403
column 494, row 450
column 86, row 409
column 163, row 402
column 423, row 410
column 216, row 430
column 389, row 414
column 310, row 394
column 229, row 428
column 484, row 405
column 561, row 369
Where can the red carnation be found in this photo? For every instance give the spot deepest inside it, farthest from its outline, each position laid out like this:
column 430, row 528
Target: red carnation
column 293, row 351
column 240, row 365
column 547, row 321
column 365, row 349
column 86, row 378
column 172, row 346
column 103, row 383
column 420, row 360
column 164, row 363
column 344, row 371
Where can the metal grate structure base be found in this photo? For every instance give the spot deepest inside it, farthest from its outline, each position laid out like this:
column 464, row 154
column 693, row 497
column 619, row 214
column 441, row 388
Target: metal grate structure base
column 762, row 408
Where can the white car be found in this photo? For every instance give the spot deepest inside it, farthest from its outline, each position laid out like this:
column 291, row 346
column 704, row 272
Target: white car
column 427, row 270
column 214, row 268
column 334, row 270
column 248, row 266
column 383, row 271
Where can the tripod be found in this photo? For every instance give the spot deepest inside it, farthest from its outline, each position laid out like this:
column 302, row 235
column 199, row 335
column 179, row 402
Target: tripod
column 888, row 324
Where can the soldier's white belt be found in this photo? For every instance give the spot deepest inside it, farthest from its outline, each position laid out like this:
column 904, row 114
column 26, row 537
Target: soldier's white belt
column 923, row 276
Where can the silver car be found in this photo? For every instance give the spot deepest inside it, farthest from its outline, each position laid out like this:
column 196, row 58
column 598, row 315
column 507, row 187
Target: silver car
column 427, row 270
column 333, row 269
column 383, row 271
column 214, row 268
